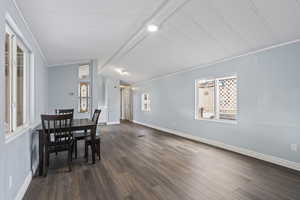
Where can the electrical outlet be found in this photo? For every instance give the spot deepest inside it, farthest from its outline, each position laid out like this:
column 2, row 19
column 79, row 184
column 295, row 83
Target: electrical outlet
column 10, row 181
column 294, row 147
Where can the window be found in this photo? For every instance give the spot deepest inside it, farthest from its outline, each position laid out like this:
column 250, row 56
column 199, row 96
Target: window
column 84, row 72
column 145, row 102
column 83, row 97
column 84, row 88
column 16, row 82
column 216, row 98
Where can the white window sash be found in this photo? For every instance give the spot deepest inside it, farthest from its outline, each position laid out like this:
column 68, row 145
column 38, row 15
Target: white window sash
column 14, row 42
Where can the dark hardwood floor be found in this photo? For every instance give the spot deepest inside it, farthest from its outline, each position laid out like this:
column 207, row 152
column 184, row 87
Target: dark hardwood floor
column 144, row 164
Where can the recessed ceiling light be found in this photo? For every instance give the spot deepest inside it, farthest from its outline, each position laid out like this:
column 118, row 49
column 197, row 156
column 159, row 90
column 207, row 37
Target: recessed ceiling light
column 152, row 28
column 121, row 71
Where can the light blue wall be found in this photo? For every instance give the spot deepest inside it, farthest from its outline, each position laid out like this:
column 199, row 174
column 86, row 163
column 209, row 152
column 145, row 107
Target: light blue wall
column 112, row 92
column 268, row 102
column 15, row 155
column 62, row 81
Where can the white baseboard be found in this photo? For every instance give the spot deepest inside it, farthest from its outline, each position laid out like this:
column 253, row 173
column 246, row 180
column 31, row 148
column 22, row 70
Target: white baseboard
column 247, row 152
column 24, row 187
column 113, row 123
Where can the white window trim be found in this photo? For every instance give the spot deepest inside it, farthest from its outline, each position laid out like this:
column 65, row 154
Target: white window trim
column 11, row 27
column 216, row 105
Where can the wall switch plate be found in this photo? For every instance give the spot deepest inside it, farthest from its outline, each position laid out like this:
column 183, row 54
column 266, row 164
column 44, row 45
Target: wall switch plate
column 294, row 147
column 10, row 182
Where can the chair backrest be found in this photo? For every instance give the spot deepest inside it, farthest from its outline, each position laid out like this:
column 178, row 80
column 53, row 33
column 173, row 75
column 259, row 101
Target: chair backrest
column 65, row 111
column 57, row 128
column 96, row 115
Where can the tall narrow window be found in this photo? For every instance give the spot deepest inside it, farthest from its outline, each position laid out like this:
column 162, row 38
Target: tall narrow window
column 84, row 89
column 83, row 96
column 8, row 79
column 217, row 98
column 20, row 86
column 84, row 72
column 145, row 102
column 16, row 62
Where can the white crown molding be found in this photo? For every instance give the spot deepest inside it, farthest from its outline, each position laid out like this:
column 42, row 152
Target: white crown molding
column 30, row 32
column 24, row 187
column 78, row 62
column 193, row 68
column 247, row 152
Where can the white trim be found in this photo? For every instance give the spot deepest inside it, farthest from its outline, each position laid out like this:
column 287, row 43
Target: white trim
column 243, row 151
column 9, row 137
column 78, row 62
column 24, row 187
column 193, row 68
column 219, row 121
column 13, row 136
column 113, row 123
column 29, row 30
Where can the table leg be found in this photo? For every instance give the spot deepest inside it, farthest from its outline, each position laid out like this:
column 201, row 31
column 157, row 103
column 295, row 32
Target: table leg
column 41, row 153
column 93, row 144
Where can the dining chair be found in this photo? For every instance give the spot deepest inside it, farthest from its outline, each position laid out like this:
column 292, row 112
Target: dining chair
column 82, row 135
column 88, row 142
column 58, row 136
column 63, row 112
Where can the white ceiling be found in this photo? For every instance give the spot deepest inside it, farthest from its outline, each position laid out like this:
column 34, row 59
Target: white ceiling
column 72, row 30
column 192, row 32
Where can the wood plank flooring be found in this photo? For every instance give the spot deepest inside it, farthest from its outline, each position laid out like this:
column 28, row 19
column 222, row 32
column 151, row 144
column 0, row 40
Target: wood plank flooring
column 140, row 163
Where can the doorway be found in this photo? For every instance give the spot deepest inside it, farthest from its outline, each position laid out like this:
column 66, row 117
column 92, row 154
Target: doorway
column 126, row 102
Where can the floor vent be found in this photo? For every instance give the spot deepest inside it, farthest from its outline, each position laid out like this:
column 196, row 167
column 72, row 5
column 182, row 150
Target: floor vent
column 141, row 135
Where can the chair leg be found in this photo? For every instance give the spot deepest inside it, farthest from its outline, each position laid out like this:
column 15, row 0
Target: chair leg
column 48, row 159
column 70, row 158
column 46, row 164
column 98, row 150
column 72, row 149
column 86, row 152
column 75, row 148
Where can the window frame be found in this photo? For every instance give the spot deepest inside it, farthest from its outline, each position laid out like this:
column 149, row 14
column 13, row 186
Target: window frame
column 12, row 130
column 216, row 100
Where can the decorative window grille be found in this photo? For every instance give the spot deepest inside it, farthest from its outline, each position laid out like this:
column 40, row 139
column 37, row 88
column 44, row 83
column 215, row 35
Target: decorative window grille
column 83, row 97
column 228, row 98
column 84, row 93
column 217, row 98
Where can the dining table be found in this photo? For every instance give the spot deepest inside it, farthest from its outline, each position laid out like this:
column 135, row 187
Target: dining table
column 84, row 125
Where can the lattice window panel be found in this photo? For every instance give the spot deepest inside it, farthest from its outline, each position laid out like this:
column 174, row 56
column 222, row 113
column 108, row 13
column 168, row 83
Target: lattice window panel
column 228, row 96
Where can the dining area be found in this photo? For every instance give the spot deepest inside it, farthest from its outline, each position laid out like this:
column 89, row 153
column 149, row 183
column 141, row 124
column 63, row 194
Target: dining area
column 61, row 133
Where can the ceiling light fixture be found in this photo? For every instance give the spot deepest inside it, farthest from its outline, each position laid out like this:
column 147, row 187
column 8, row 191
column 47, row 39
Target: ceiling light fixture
column 122, row 72
column 152, row 28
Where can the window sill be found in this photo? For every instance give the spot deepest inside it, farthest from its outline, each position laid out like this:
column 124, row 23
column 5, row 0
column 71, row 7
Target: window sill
column 220, row 121
column 13, row 136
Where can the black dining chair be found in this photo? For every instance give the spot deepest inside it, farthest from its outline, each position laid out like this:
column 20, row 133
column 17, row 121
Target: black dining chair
column 82, row 135
column 63, row 112
column 58, row 136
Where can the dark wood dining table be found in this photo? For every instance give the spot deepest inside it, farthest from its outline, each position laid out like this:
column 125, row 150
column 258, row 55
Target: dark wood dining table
column 77, row 125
